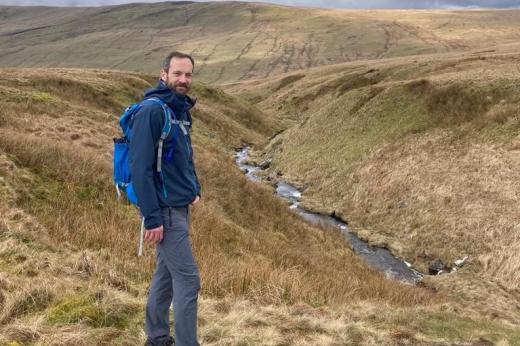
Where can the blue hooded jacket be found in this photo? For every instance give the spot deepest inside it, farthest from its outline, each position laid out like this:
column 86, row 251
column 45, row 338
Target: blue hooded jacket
column 181, row 185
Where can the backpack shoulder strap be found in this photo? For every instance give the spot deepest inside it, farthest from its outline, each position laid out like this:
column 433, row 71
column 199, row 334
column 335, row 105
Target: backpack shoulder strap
column 168, row 115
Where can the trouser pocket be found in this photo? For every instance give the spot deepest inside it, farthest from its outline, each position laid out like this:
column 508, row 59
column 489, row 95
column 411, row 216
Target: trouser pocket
column 166, row 218
column 177, row 220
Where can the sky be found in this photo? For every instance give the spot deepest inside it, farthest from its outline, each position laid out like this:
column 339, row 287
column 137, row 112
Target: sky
column 313, row 3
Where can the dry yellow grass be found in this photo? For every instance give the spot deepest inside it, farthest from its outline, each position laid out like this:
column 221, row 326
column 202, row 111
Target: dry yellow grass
column 82, row 299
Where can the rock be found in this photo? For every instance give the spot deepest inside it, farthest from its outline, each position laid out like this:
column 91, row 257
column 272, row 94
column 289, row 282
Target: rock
column 265, row 164
column 75, row 136
column 273, row 177
column 402, row 204
column 339, row 216
column 482, row 342
column 460, row 263
column 437, row 267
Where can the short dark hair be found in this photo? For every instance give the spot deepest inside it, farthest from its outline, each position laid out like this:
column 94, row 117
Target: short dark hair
column 179, row 55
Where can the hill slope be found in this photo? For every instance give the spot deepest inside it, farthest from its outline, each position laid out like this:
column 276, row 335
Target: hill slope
column 69, row 270
column 418, row 154
column 234, row 41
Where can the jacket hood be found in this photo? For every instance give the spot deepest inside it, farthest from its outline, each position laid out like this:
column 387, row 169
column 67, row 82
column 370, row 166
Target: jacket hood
column 178, row 103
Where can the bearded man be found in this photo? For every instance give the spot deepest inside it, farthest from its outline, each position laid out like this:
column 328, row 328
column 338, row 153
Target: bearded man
column 165, row 190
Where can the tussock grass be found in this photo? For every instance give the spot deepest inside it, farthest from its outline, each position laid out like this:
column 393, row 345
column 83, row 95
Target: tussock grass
column 85, row 94
column 49, row 89
column 459, row 103
column 95, row 310
column 228, row 116
column 21, row 335
column 332, row 87
column 424, row 162
column 286, row 81
column 240, row 323
column 351, row 81
column 27, row 301
column 274, row 270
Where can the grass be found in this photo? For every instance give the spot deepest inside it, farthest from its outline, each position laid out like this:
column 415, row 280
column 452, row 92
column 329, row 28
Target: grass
column 231, row 229
column 451, row 327
column 95, row 310
column 26, row 302
column 377, row 117
column 460, row 103
column 267, row 277
column 421, row 159
column 286, row 81
column 97, row 222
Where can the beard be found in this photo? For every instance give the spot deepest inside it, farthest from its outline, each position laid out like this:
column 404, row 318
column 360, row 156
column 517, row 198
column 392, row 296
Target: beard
column 178, row 87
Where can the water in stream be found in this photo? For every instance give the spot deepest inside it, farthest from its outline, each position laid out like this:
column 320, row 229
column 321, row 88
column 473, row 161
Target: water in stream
column 379, row 258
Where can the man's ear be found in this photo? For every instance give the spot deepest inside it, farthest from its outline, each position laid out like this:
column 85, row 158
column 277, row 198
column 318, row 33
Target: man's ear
column 164, row 75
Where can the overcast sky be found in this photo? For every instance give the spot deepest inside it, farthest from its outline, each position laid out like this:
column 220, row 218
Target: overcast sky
column 316, row 3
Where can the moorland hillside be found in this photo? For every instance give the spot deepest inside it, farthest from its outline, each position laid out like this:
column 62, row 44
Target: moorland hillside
column 234, row 41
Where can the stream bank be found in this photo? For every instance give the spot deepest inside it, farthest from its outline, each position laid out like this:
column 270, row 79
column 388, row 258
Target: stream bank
column 377, row 257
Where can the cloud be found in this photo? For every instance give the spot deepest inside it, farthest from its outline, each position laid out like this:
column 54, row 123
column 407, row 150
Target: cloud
column 317, row 3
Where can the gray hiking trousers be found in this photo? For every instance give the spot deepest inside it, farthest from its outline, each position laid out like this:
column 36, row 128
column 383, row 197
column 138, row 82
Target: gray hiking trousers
column 176, row 278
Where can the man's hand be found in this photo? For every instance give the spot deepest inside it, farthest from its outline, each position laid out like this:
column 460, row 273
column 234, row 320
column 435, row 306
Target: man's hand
column 154, row 235
column 196, row 200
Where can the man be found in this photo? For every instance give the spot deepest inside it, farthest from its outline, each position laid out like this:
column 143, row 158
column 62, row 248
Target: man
column 164, row 200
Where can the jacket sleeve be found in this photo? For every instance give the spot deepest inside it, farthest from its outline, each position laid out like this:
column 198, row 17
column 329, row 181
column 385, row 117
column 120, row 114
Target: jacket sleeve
column 199, row 189
column 146, row 131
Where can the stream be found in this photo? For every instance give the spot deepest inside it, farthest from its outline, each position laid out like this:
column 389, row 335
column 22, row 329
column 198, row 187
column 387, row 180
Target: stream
column 380, row 258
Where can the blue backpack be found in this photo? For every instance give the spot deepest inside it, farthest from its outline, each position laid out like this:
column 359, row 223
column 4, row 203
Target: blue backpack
column 122, row 175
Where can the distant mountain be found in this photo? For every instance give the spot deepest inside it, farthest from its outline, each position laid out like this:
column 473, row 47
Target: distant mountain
column 234, row 41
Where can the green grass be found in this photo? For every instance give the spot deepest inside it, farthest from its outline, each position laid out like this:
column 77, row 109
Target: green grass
column 287, row 81
column 104, row 96
column 392, row 116
column 450, row 327
column 95, row 311
column 14, row 343
column 461, row 102
column 377, row 117
column 238, row 114
column 359, row 119
column 43, row 97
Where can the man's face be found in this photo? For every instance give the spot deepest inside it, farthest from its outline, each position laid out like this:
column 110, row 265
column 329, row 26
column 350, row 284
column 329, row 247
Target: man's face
column 179, row 76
